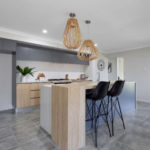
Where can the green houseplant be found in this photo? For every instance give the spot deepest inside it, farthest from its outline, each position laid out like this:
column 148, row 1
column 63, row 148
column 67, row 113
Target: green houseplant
column 25, row 71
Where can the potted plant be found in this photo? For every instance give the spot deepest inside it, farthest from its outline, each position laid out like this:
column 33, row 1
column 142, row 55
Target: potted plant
column 25, row 72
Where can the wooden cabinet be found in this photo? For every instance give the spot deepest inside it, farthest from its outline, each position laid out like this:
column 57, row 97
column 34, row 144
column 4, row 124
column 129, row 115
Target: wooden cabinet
column 28, row 94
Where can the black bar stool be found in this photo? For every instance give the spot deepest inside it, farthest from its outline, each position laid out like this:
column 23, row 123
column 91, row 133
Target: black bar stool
column 113, row 98
column 98, row 107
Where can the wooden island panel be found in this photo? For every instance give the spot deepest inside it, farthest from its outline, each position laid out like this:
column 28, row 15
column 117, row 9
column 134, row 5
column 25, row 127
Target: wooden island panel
column 68, row 115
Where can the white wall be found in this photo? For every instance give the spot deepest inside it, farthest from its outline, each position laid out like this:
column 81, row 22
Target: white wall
column 53, row 70
column 93, row 72
column 136, row 68
column 5, row 81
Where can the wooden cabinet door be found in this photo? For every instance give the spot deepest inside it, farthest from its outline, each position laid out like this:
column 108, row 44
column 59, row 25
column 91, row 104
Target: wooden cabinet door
column 35, row 94
column 28, row 94
column 23, row 96
column 34, row 101
column 34, row 87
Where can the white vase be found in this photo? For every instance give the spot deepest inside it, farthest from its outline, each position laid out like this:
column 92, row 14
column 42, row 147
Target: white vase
column 23, row 79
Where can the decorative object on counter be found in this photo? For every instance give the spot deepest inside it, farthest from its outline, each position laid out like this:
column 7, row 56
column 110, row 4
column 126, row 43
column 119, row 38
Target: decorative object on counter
column 41, row 77
column 101, row 65
column 83, row 76
column 72, row 34
column 25, row 72
column 88, row 51
column 109, row 67
column 98, row 76
column 67, row 76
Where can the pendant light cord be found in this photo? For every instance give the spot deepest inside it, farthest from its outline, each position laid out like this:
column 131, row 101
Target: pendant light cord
column 88, row 31
column 88, row 22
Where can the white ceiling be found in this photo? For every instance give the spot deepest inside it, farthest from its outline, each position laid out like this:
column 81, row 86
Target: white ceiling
column 117, row 25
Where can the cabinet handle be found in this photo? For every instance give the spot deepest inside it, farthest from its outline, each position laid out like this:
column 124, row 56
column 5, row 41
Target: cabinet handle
column 35, row 90
column 34, row 97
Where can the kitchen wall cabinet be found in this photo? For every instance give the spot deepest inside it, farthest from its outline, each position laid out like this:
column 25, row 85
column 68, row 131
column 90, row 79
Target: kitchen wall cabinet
column 37, row 53
column 28, row 94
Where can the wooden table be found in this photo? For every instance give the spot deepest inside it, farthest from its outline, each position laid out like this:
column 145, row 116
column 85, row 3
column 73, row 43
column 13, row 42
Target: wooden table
column 68, row 114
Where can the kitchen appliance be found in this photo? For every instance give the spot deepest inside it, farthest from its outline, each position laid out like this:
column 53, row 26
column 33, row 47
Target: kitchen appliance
column 83, row 76
column 60, row 81
column 67, row 76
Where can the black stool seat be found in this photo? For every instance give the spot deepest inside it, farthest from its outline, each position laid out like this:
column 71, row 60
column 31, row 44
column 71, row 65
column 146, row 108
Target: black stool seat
column 116, row 88
column 89, row 93
column 98, row 107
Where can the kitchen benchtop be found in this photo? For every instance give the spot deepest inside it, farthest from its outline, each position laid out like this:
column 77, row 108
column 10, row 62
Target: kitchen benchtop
column 85, row 84
column 50, row 82
column 74, row 83
column 32, row 82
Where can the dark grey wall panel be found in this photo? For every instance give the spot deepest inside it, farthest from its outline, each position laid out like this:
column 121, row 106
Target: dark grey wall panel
column 0, row 44
column 34, row 53
column 7, row 45
column 14, row 80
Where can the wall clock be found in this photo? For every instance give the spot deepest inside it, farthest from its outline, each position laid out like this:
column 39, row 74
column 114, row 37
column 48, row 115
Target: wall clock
column 100, row 65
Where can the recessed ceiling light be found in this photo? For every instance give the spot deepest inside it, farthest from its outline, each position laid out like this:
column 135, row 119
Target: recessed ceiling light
column 44, row 31
column 96, row 44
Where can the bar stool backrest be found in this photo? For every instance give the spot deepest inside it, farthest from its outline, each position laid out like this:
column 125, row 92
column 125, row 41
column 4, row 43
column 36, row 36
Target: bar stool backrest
column 101, row 90
column 116, row 88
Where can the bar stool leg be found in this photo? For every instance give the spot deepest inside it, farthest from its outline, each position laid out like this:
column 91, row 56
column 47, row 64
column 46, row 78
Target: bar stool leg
column 121, row 116
column 112, row 117
column 108, row 105
column 106, row 115
column 95, row 124
column 92, row 115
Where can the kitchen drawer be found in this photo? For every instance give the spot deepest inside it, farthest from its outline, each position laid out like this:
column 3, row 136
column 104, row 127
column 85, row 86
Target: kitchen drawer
column 23, row 96
column 35, row 94
column 34, row 101
column 35, row 87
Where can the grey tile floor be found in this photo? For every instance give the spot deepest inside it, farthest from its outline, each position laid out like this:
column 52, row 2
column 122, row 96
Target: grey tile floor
column 22, row 132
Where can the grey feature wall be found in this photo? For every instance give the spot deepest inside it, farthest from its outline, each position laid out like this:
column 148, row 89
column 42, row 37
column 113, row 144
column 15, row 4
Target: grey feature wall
column 35, row 53
column 7, row 46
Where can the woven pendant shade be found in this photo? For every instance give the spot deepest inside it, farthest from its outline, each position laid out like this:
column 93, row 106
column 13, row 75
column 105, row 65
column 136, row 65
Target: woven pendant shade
column 72, row 34
column 88, row 51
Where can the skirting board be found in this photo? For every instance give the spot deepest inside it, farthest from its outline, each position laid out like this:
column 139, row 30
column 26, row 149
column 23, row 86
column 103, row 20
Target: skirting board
column 26, row 109
column 144, row 101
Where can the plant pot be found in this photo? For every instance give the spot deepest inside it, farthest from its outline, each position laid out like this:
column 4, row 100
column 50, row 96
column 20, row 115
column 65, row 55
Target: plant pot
column 23, row 79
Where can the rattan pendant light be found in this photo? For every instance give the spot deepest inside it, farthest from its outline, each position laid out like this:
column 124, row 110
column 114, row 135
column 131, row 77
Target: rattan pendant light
column 72, row 34
column 88, row 51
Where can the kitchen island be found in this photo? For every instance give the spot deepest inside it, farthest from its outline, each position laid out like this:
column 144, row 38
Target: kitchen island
column 68, row 116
